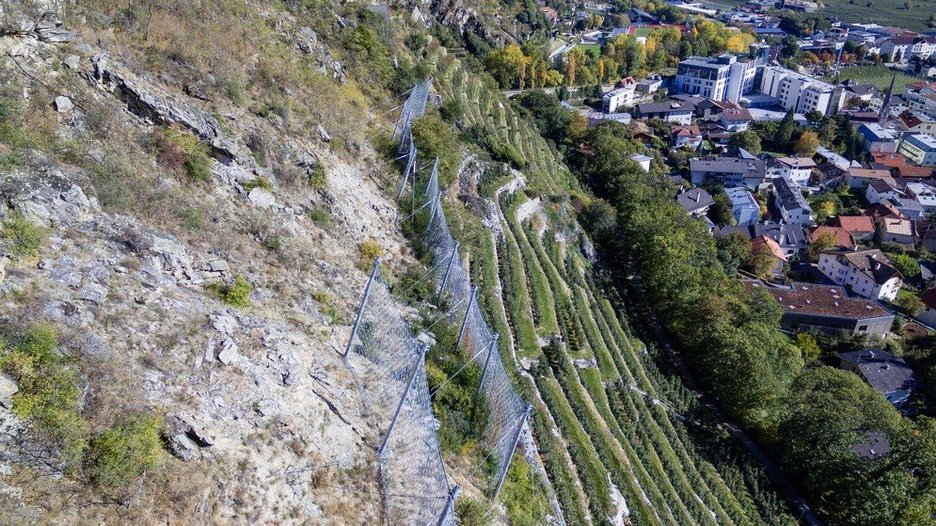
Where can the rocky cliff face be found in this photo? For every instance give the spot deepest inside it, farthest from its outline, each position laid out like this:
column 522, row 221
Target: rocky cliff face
column 263, row 423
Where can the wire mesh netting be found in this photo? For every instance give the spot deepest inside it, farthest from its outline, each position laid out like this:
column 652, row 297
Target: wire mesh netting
column 413, row 108
column 506, row 409
column 396, row 392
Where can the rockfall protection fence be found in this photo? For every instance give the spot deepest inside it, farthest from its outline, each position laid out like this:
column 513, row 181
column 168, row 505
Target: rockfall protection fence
column 414, row 486
column 507, row 411
column 413, row 108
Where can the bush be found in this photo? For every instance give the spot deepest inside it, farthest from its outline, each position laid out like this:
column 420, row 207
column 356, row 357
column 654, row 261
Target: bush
column 320, row 216
column 370, row 250
column 259, row 182
column 122, row 453
column 473, row 512
column 236, row 294
column 523, row 495
column 182, row 152
column 49, row 394
column 327, row 306
column 318, row 178
column 22, row 237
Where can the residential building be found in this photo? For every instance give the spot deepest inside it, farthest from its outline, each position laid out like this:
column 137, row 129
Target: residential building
column 643, row 160
column 921, row 98
column 880, row 189
column 860, row 178
column 744, row 208
column 683, row 136
column 886, row 373
column 648, row 86
column 928, row 316
column 743, row 170
column 877, row 139
column 861, row 227
column 716, row 78
column 765, row 245
column 790, row 238
column 790, row 203
column 841, row 239
column 735, row 119
column 696, row 202
column 825, row 308
column 919, row 148
column 797, row 169
column 914, row 122
column 678, row 112
column 924, row 194
column 619, row 97
column 867, row 273
column 800, row 93
column 909, row 208
column 900, row 231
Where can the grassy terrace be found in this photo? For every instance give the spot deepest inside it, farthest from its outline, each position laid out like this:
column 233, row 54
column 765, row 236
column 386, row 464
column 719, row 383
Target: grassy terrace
column 601, row 426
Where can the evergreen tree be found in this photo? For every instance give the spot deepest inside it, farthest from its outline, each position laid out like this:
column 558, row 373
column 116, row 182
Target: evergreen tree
column 785, row 131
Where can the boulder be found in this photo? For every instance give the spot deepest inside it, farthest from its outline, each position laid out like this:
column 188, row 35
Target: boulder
column 260, row 197
column 63, row 104
column 228, row 352
column 93, row 293
column 72, row 61
column 8, row 388
column 183, row 447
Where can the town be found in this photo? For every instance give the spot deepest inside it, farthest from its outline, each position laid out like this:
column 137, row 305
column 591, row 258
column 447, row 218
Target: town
column 805, row 144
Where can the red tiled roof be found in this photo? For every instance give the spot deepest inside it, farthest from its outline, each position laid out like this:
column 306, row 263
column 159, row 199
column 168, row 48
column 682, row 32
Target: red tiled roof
column 890, row 160
column 825, row 300
column 759, row 243
column 843, row 238
column 856, row 224
column 916, row 172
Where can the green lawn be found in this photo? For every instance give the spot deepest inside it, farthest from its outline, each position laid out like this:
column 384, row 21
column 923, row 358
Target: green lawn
column 593, row 49
column 878, row 76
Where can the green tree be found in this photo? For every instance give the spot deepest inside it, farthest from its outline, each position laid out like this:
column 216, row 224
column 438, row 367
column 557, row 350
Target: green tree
column 910, row 303
column 823, row 241
column 785, row 131
column 733, row 250
column 748, row 140
column 720, row 212
column 909, row 267
column 808, row 347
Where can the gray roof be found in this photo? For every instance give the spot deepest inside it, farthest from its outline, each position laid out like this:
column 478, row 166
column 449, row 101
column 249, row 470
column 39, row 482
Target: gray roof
column 885, row 372
column 665, row 107
column 786, row 235
column 789, row 195
column 872, row 262
column 695, row 199
column 728, row 165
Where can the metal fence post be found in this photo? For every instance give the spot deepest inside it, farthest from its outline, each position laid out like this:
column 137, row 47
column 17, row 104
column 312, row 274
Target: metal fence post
column 513, row 449
column 448, row 269
column 487, row 361
column 360, row 311
column 382, row 450
column 464, row 324
column 410, row 166
column 449, row 510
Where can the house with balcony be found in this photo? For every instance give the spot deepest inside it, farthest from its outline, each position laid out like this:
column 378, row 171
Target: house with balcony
column 867, row 273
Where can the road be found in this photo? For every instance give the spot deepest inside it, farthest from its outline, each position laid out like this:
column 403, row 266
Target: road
column 572, row 89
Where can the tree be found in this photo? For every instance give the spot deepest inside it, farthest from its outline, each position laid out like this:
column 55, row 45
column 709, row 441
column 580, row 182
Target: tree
column 507, row 65
column 909, row 267
column 807, row 144
column 825, row 209
column 570, row 67
column 720, row 212
column 733, row 250
column 785, row 131
column 823, row 241
column 910, row 303
column 763, row 263
column 808, row 346
column 748, row 140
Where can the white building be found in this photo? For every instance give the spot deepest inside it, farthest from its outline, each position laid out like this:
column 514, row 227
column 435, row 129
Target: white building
column 797, row 169
column 800, row 93
column 744, row 208
column 868, row 273
column 922, row 99
column 618, row 98
column 643, row 160
column 877, row 138
column 919, row 148
column 924, row 194
column 790, row 203
column 718, row 78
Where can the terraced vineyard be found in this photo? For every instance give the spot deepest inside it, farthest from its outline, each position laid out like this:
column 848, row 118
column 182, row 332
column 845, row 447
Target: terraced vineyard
column 617, row 437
